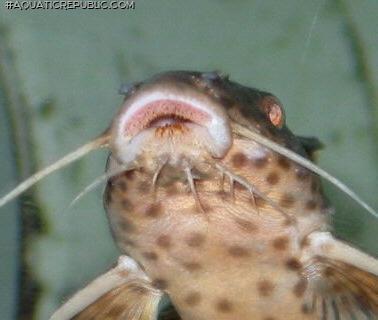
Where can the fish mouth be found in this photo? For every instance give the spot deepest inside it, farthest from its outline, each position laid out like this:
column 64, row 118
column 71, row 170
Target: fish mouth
column 164, row 113
column 174, row 112
column 168, row 120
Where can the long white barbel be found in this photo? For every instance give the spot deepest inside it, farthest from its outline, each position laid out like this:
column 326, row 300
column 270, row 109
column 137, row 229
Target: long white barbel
column 247, row 133
column 95, row 144
column 95, row 183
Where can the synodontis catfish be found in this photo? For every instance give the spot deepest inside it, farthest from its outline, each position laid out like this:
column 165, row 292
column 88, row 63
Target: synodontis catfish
column 215, row 204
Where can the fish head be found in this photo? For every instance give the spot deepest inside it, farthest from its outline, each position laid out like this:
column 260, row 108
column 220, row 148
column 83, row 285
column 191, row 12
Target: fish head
column 175, row 136
column 184, row 119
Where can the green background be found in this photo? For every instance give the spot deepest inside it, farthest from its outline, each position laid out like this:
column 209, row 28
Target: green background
column 60, row 71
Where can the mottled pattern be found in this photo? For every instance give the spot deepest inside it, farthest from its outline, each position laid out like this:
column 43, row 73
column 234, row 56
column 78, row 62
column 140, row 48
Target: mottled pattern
column 217, row 250
column 205, row 260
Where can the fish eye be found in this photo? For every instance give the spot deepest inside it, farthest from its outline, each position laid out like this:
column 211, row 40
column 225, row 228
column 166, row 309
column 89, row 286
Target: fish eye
column 273, row 109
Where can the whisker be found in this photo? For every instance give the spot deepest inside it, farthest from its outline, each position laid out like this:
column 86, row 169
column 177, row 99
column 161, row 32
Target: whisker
column 192, row 186
column 156, row 176
column 95, row 144
column 97, row 182
column 87, row 189
column 254, row 202
column 247, row 133
column 232, row 186
column 252, row 190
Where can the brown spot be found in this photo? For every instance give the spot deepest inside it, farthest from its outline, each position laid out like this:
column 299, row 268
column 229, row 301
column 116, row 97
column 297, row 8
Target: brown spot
column 311, row 205
column 300, row 287
column 129, row 174
column 239, row 160
column 306, row 309
column 121, row 185
column 160, row 284
column 259, row 162
column 280, row 243
column 302, row 174
column 269, row 318
column 314, row 186
column 126, row 204
column 265, row 288
column 273, row 178
column 293, row 264
column 126, row 225
column 154, row 210
column 246, row 225
column 144, row 187
column 193, row 298
column 305, row 242
column 142, row 170
column 224, row 305
column 329, row 272
column 223, row 194
column 164, row 241
column 287, row 200
column 289, row 221
column 195, row 240
column 237, row 251
column 150, row 255
column 259, row 201
column 172, row 190
column 192, row 266
column 283, row 163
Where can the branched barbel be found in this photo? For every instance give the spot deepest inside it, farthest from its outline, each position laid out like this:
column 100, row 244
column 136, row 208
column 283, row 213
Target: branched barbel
column 261, row 251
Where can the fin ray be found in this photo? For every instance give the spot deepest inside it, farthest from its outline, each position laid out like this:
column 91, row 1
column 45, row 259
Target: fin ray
column 344, row 279
column 124, row 292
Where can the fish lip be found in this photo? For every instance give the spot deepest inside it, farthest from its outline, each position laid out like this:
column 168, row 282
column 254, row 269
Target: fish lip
column 138, row 112
column 149, row 111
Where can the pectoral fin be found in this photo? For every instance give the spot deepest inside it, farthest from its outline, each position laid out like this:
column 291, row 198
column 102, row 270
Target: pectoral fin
column 343, row 281
column 124, row 292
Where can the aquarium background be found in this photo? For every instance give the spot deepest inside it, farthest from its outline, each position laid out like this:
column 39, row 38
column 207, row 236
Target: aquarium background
column 59, row 75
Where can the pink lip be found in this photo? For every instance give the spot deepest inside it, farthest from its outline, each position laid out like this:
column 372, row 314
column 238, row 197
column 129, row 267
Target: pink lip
column 143, row 118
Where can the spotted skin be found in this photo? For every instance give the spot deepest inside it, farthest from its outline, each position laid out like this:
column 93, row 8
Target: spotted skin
column 204, row 261
column 238, row 257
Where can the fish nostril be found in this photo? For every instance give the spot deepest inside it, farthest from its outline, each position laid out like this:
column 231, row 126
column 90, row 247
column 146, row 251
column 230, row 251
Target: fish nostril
column 214, row 75
column 127, row 88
